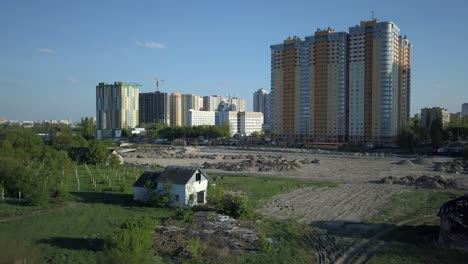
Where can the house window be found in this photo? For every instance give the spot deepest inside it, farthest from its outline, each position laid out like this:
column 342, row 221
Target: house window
column 198, row 176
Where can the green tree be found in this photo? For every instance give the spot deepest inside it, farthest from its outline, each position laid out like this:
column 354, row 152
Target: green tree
column 87, row 128
column 98, row 152
column 437, row 132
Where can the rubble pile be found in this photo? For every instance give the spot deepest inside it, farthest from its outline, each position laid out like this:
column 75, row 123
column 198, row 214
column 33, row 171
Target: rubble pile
column 422, row 182
column 456, row 166
column 162, row 152
column 216, row 230
column 261, row 164
column 423, row 161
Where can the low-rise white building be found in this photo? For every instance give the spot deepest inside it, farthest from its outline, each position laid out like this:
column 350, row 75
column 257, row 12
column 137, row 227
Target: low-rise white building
column 250, row 122
column 231, row 118
column 201, row 118
column 189, row 185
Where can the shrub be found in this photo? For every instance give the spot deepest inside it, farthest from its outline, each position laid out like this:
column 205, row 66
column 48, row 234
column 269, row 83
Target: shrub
column 215, row 195
column 131, row 243
column 162, row 198
column 196, row 248
column 184, row 215
column 238, row 206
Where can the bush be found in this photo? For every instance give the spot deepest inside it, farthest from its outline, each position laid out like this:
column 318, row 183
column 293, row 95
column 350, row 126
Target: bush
column 132, row 242
column 238, row 206
column 183, row 215
column 215, row 195
column 196, row 248
column 162, row 198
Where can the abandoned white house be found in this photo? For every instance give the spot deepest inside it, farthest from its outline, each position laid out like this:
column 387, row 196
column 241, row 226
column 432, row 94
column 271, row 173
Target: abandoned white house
column 188, row 185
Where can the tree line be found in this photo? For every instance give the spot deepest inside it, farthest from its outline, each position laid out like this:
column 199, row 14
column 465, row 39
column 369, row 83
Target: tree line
column 157, row 131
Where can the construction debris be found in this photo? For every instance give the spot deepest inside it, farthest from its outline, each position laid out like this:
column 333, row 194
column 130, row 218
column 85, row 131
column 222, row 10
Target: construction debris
column 456, row 166
column 421, row 182
column 260, row 164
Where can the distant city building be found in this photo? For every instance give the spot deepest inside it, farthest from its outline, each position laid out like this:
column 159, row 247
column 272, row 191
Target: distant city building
column 340, row 87
column 465, row 109
column 201, row 118
column 250, row 122
column 261, row 103
column 154, row 108
column 190, row 101
column 455, row 118
column 229, row 118
column 428, row 115
column 176, row 109
column 116, row 108
column 220, row 103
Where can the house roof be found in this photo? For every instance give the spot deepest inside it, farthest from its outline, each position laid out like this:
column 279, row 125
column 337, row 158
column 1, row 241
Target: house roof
column 145, row 177
column 178, row 174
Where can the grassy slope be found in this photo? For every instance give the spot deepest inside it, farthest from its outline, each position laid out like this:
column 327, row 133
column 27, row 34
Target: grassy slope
column 414, row 243
column 74, row 235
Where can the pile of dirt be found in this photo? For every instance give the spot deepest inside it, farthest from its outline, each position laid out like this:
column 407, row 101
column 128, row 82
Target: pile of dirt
column 404, row 162
column 423, row 161
column 456, row 166
column 422, row 182
column 163, row 152
column 218, row 232
column 261, row 164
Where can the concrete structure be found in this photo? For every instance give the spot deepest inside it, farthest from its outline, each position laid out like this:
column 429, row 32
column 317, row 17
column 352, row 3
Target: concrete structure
column 201, row 118
column 428, row 115
column 190, row 101
column 230, row 118
column 340, row 87
column 250, row 122
column 261, row 103
column 189, row 185
column 221, row 103
column 154, row 108
column 464, row 109
column 176, row 109
column 116, row 108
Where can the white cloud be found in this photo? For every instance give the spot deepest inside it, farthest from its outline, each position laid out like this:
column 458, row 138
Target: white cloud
column 151, row 45
column 45, row 50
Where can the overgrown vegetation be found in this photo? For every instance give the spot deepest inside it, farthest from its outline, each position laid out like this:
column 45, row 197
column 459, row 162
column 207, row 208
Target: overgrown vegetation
column 156, row 131
column 132, row 243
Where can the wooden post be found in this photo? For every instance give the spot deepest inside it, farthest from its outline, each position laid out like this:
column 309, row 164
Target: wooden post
column 3, row 193
column 19, row 195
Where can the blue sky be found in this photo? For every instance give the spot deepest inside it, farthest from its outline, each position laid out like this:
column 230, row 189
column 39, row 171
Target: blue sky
column 53, row 53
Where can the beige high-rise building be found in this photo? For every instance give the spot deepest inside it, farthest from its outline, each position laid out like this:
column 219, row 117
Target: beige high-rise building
column 176, row 109
column 190, row 101
column 341, row 87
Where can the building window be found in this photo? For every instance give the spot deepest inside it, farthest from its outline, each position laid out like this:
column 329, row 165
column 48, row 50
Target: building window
column 198, row 176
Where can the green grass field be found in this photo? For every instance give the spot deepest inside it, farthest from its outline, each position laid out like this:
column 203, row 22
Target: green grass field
column 75, row 233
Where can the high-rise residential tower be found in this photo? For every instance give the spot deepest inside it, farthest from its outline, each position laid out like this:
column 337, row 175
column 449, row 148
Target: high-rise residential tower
column 154, row 108
column 116, row 108
column 176, row 109
column 464, row 111
column 379, row 77
column 222, row 103
column 340, row 87
column 261, row 103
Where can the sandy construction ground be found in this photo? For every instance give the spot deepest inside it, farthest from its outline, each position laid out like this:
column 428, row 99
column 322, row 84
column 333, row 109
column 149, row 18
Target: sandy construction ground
column 347, row 202
column 355, row 199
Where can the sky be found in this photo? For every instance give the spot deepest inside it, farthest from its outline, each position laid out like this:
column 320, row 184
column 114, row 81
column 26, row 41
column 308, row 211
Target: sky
column 54, row 53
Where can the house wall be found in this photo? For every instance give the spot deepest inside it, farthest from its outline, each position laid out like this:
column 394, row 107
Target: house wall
column 141, row 194
column 194, row 187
